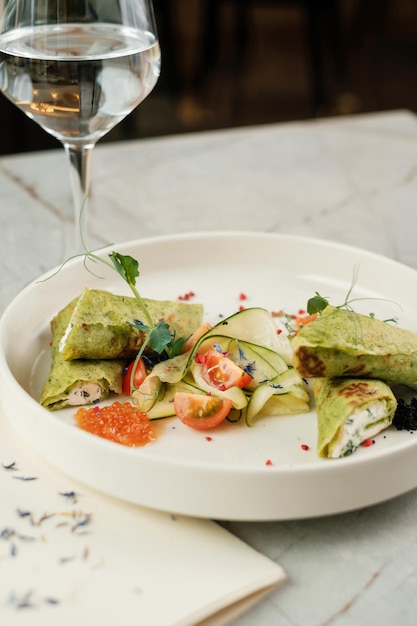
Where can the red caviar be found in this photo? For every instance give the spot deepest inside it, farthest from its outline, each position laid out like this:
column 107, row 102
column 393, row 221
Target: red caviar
column 121, row 422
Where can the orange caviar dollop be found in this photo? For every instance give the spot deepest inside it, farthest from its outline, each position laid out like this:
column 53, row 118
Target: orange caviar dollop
column 121, row 422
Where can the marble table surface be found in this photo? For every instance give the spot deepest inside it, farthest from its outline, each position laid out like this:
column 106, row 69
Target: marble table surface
column 349, row 180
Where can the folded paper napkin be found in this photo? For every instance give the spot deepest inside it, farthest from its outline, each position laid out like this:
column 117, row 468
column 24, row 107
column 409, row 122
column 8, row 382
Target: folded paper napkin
column 68, row 553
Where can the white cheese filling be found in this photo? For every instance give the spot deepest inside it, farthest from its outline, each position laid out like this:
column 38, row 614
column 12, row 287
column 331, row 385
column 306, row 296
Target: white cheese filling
column 361, row 425
column 68, row 329
column 64, row 338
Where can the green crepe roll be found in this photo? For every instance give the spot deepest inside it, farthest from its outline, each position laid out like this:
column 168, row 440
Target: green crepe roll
column 102, row 325
column 350, row 411
column 79, row 382
column 343, row 343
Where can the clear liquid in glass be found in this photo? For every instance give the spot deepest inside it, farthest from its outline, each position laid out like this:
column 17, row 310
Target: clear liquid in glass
column 77, row 81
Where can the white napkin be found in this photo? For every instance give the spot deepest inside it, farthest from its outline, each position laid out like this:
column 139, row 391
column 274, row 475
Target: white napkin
column 68, row 553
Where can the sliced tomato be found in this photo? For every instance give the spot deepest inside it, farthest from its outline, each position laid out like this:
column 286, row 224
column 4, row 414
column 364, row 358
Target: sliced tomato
column 218, row 370
column 201, row 411
column 129, row 384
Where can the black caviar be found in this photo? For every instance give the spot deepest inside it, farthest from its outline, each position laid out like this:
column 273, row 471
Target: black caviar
column 405, row 417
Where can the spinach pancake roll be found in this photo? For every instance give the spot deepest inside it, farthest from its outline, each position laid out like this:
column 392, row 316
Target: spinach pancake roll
column 79, row 382
column 105, row 326
column 343, row 343
column 349, row 411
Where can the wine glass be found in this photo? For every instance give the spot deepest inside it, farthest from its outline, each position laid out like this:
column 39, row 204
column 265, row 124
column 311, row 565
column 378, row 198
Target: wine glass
column 77, row 68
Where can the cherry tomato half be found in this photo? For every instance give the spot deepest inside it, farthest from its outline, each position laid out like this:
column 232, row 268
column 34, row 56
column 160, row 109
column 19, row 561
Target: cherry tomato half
column 200, row 411
column 138, row 377
column 221, row 372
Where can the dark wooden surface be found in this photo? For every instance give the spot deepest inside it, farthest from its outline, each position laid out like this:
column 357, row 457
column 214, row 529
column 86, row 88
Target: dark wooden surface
column 232, row 63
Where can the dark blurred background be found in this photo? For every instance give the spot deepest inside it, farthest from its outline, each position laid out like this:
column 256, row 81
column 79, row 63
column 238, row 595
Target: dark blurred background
column 232, row 63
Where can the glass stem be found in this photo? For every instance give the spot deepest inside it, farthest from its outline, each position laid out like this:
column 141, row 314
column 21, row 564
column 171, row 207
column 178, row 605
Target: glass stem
column 80, row 166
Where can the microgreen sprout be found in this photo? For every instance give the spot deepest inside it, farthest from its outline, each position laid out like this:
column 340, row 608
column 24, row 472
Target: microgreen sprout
column 158, row 336
column 318, row 303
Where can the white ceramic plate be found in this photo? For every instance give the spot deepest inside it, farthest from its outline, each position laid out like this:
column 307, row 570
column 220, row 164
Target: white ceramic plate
column 227, row 477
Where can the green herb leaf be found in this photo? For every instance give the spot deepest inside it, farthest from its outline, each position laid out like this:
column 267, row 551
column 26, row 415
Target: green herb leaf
column 316, row 304
column 160, row 337
column 175, row 346
column 139, row 325
column 126, row 266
